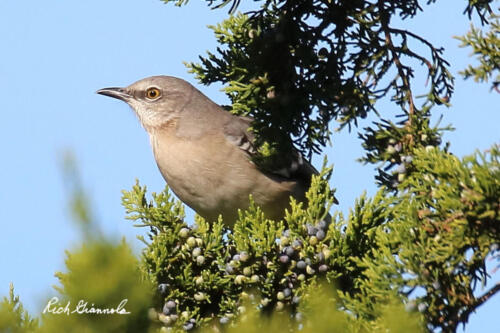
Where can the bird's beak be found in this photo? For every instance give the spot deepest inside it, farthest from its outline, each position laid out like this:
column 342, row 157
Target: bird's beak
column 120, row 93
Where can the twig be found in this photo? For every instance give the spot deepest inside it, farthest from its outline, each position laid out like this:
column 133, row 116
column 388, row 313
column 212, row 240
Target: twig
column 388, row 40
column 478, row 302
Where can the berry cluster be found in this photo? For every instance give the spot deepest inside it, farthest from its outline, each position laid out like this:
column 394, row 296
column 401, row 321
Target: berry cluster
column 220, row 277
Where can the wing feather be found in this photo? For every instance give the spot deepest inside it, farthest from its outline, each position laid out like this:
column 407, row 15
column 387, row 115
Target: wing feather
column 296, row 168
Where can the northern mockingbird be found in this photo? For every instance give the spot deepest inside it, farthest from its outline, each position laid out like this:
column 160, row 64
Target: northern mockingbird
column 205, row 153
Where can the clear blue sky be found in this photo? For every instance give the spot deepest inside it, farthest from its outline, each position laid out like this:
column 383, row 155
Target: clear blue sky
column 56, row 54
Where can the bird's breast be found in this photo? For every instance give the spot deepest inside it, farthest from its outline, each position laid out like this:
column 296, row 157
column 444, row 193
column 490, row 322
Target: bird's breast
column 214, row 177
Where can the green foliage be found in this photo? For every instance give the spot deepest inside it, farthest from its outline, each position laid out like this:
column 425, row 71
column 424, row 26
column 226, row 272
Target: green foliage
column 319, row 312
column 425, row 247
column 13, row 317
column 443, row 228
column 434, row 237
column 103, row 275
column 205, row 272
column 295, row 67
column 486, row 48
column 408, row 259
column 396, row 145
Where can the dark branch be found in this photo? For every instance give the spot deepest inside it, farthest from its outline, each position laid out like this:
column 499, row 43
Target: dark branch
column 462, row 318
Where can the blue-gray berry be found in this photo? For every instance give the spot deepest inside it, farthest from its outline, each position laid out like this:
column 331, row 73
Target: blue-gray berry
column 311, row 230
column 320, row 235
column 284, row 259
column 188, row 326
column 289, row 251
column 171, row 305
column 301, row 264
column 322, row 224
column 229, row 269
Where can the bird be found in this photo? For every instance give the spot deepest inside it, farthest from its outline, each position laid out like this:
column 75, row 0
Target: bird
column 205, row 153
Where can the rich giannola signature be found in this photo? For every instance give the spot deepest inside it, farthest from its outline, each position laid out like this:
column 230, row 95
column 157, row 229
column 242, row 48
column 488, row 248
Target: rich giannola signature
column 54, row 306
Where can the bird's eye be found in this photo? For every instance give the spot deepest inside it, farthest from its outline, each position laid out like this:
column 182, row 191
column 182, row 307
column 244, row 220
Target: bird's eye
column 153, row 93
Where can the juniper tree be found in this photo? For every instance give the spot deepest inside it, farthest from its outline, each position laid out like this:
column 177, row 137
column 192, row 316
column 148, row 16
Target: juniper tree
column 296, row 66
column 409, row 257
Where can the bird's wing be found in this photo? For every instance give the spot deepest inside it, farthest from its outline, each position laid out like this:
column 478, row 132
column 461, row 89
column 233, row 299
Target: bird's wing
column 294, row 167
column 237, row 132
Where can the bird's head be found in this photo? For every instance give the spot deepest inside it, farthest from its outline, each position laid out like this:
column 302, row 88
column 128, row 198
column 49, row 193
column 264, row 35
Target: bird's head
column 156, row 100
